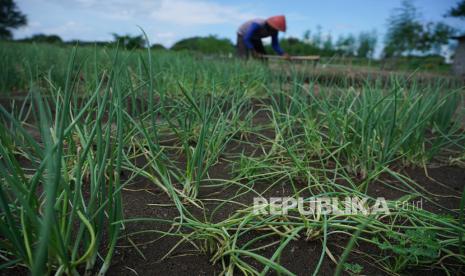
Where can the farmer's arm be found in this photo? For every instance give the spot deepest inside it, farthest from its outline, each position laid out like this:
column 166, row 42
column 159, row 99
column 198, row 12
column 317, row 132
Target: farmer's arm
column 275, row 44
column 249, row 34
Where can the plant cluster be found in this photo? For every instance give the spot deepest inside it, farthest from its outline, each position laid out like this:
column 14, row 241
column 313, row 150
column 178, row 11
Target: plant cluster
column 93, row 121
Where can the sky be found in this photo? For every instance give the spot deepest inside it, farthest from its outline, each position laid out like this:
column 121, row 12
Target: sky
column 167, row 21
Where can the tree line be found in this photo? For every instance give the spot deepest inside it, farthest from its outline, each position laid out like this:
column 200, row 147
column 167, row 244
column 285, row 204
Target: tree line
column 407, row 34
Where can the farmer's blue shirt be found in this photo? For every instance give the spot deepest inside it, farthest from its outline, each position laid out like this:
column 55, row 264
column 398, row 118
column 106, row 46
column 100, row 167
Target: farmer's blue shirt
column 256, row 29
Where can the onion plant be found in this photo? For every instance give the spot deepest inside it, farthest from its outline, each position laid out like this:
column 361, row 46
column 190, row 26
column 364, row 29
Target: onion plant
column 62, row 192
column 92, row 125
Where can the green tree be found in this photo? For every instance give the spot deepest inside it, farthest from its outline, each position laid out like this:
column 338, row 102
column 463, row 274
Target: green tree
column 207, row 45
column 295, row 46
column 404, row 30
column 366, row 44
column 43, row 38
column 317, row 39
column 407, row 34
column 458, row 11
column 129, row 42
column 307, row 35
column 157, row 46
column 10, row 18
column 434, row 36
column 328, row 43
column 346, row 45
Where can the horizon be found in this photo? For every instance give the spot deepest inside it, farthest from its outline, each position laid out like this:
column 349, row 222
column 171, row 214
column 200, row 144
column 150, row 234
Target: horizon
column 167, row 22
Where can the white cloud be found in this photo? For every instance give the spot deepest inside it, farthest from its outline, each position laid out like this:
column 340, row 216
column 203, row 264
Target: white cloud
column 61, row 29
column 165, row 21
column 166, row 34
column 69, row 30
column 198, row 13
column 184, row 12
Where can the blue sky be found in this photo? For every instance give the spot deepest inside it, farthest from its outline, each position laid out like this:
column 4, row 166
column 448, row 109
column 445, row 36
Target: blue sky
column 167, row 21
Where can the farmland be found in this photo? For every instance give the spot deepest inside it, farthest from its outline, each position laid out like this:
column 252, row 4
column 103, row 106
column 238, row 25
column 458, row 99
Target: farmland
column 130, row 162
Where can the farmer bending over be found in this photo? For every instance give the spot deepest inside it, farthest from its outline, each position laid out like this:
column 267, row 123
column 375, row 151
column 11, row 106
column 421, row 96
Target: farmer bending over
column 250, row 34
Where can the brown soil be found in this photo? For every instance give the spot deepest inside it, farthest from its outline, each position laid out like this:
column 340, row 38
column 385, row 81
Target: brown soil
column 142, row 199
column 300, row 257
